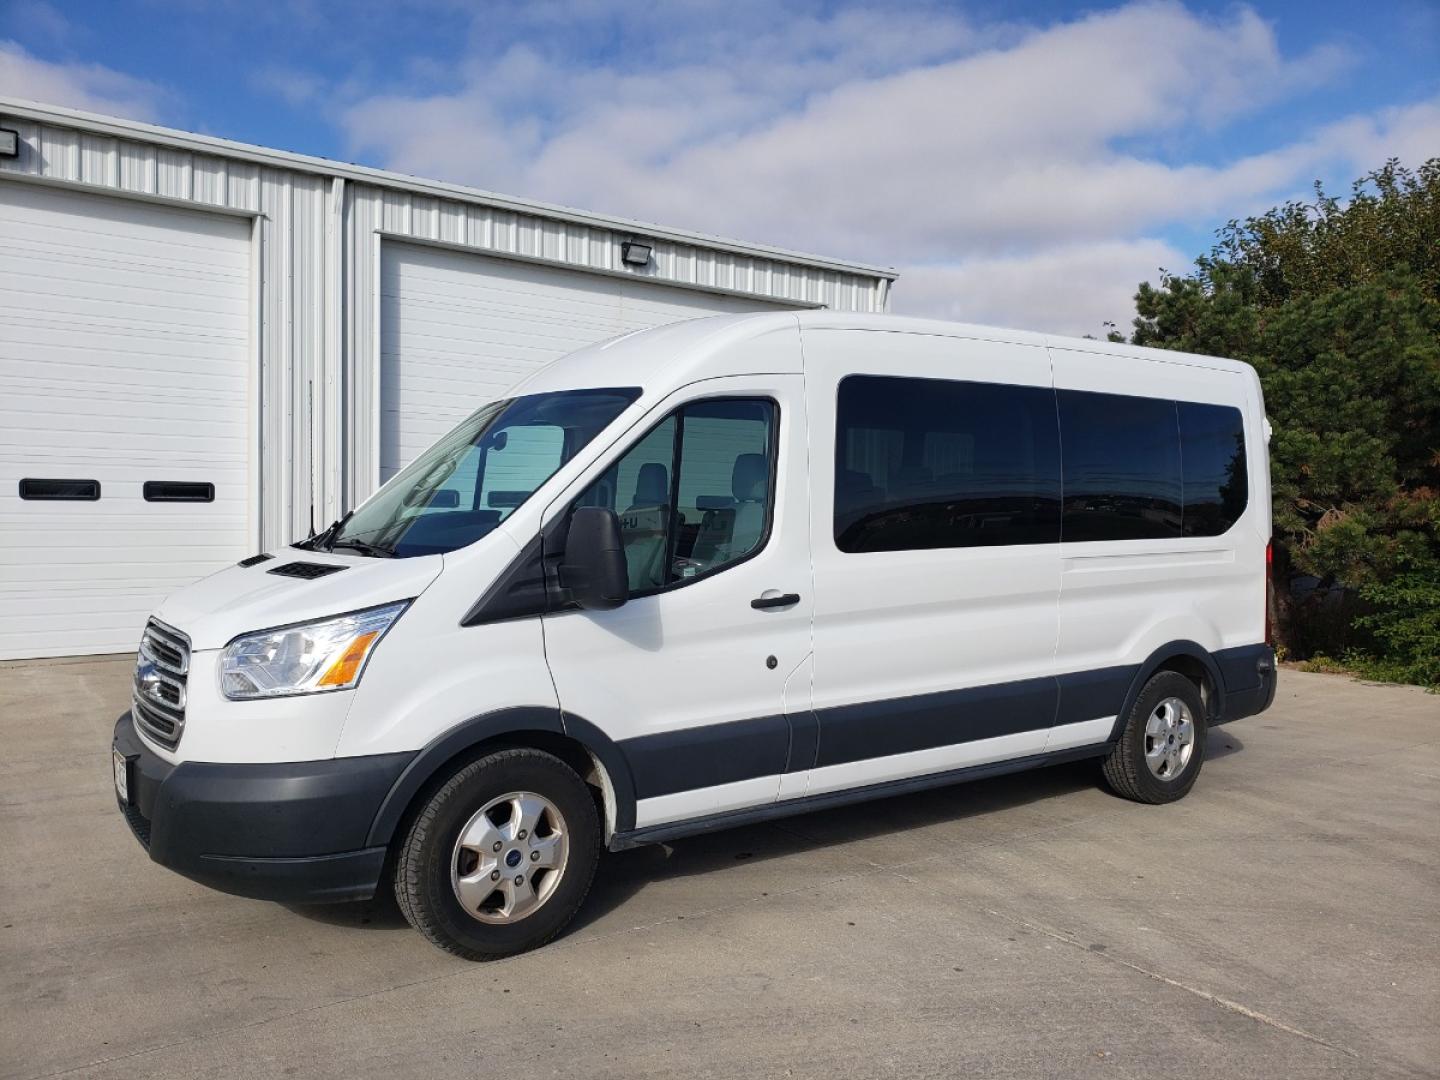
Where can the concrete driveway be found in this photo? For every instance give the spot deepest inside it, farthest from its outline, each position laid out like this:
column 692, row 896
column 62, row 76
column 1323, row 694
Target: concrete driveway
column 1284, row 920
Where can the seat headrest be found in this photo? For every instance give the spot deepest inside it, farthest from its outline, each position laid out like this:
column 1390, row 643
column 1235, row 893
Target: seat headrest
column 652, row 485
column 750, row 479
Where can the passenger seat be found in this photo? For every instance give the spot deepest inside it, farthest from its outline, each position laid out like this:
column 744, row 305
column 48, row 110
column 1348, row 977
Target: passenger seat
column 750, row 484
column 644, row 527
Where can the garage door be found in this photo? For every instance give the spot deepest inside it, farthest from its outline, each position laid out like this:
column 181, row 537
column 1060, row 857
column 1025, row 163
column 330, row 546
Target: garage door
column 124, row 378
column 458, row 330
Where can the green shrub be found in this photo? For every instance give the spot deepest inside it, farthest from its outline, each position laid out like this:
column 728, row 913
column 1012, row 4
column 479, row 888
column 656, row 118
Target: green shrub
column 1337, row 305
column 1405, row 623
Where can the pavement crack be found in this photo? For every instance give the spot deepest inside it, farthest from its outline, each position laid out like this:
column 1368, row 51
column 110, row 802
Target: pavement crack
column 1205, row 995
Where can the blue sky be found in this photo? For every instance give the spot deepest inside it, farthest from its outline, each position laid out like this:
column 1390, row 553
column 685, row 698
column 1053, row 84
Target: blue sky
column 1020, row 163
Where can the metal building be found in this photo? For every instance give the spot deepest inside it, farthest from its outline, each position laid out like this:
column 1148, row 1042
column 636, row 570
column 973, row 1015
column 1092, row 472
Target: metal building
column 205, row 346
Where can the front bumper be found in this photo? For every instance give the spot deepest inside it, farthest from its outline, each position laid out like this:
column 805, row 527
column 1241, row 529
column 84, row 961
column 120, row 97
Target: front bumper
column 291, row 831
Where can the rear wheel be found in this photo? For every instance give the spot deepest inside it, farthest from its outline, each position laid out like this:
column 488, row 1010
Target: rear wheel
column 1158, row 756
column 499, row 859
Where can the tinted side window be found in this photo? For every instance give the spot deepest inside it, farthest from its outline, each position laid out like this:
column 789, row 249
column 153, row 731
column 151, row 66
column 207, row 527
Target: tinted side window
column 724, row 489
column 1122, row 467
column 1212, row 450
column 936, row 463
column 642, row 491
column 694, row 494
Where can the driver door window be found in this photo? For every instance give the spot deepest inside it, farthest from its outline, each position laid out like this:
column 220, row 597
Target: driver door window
column 694, row 495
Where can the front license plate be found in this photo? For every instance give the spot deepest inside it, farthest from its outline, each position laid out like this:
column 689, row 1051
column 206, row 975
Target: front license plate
column 122, row 776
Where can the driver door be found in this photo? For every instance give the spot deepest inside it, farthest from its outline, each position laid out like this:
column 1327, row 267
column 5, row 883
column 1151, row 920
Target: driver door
column 698, row 674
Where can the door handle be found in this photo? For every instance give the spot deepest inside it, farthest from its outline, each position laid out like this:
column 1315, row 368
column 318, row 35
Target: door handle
column 764, row 603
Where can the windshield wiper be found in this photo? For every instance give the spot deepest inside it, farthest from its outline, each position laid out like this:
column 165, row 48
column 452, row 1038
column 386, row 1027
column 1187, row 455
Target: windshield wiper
column 318, row 541
column 364, row 547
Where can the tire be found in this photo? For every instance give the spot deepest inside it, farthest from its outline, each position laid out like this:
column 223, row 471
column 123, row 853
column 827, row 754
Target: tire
column 487, row 801
column 1131, row 769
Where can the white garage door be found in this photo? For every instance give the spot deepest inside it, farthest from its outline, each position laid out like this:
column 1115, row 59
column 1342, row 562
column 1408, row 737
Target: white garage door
column 124, row 362
column 458, row 330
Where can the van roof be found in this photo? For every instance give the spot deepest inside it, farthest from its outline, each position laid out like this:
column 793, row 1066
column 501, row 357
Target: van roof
column 669, row 356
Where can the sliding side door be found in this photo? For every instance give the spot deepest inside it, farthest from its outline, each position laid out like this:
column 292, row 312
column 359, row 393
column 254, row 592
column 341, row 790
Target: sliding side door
column 935, row 521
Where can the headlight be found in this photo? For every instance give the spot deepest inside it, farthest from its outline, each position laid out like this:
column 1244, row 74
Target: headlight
column 326, row 655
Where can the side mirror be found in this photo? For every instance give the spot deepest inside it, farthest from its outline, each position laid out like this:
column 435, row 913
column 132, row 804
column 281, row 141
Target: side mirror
column 445, row 499
column 594, row 567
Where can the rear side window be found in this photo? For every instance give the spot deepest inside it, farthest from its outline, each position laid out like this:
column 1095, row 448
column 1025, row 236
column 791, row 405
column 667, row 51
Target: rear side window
column 938, row 463
column 1122, row 467
column 1212, row 453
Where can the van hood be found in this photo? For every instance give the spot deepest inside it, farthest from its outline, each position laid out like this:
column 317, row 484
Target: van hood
column 242, row 599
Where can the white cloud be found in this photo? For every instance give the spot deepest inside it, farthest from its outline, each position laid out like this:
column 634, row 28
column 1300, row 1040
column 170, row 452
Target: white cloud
column 1409, row 132
column 1073, row 288
column 1004, row 165
column 1065, row 290
column 294, row 88
column 869, row 134
column 1018, row 173
column 92, row 87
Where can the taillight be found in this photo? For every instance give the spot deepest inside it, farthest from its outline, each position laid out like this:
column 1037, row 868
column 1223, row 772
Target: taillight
column 1269, row 587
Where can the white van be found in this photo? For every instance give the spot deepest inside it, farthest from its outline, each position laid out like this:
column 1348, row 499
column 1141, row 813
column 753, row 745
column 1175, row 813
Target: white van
column 705, row 575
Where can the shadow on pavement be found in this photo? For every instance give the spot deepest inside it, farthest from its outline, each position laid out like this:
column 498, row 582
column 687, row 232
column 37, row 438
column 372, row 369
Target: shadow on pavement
column 1222, row 743
column 626, row 873
column 622, row 875
column 379, row 913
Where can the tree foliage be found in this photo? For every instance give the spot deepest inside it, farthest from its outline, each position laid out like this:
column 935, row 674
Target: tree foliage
column 1337, row 305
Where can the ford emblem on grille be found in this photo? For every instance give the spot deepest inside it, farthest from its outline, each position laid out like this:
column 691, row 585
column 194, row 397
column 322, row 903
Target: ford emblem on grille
column 147, row 680
column 152, row 686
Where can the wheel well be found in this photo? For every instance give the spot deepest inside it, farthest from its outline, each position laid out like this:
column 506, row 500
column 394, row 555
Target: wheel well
column 1196, row 671
column 571, row 751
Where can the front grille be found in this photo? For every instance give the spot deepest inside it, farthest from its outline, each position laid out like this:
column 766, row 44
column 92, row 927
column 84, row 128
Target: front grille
column 161, row 676
column 161, row 725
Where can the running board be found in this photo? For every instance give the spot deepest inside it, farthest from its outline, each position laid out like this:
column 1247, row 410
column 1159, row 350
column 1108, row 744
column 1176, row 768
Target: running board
column 674, row 830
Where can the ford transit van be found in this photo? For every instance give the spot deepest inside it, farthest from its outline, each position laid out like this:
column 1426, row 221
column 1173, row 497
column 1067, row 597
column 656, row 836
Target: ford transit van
column 704, row 575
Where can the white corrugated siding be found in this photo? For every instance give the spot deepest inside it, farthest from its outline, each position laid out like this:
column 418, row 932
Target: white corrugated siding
column 290, row 209
column 374, row 212
column 315, row 275
column 459, row 329
column 124, row 358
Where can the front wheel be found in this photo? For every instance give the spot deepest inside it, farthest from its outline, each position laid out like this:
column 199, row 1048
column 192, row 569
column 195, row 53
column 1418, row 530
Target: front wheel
column 499, row 859
column 1162, row 746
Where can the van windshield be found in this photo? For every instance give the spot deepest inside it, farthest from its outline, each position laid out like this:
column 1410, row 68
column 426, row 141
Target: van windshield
column 475, row 477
